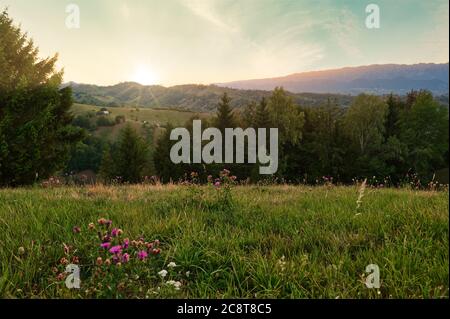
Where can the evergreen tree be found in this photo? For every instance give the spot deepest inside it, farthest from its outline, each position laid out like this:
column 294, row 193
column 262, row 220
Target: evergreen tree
column 36, row 135
column 225, row 118
column 262, row 119
column 107, row 169
column 131, row 156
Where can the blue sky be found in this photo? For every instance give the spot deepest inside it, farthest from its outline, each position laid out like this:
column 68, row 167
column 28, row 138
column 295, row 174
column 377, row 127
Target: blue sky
column 205, row 41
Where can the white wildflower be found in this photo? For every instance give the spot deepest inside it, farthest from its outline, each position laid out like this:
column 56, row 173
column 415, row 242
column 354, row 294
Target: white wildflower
column 163, row 273
column 175, row 284
column 172, row 265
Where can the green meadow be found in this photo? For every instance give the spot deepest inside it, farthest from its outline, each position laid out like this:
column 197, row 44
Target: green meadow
column 239, row 242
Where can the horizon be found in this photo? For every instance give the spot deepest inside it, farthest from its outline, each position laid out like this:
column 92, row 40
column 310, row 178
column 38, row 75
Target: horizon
column 214, row 42
column 222, row 84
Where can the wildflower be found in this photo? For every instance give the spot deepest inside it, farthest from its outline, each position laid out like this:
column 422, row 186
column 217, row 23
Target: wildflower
column 217, row 184
column 76, row 230
column 156, row 251
column 210, row 178
column 99, row 261
column 149, row 245
column 107, row 262
column 126, row 243
column 105, row 245
column 119, row 264
column 172, row 265
column 116, row 249
column 102, row 221
column 126, row 258
column 142, row 255
column 61, row 276
column 106, row 238
column 75, row 260
column 66, row 249
column 116, row 232
column 64, row 261
column 188, row 273
column 156, row 242
column 175, row 284
column 108, row 223
column 91, row 226
column 163, row 273
column 21, row 251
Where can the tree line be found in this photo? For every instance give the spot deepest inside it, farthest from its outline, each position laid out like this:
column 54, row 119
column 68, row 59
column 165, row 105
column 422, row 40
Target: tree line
column 387, row 139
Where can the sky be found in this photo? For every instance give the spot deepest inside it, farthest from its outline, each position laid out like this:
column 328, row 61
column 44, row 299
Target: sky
column 171, row 42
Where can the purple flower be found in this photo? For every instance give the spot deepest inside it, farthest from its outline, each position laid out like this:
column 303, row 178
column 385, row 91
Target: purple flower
column 125, row 258
column 115, row 249
column 217, row 184
column 105, row 245
column 126, row 243
column 114, row 232
column 76, row 230
column 142, row 255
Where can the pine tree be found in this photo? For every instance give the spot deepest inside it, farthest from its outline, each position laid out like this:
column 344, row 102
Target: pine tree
column 131, row 156
column 107, row 170
column 262, row 119
column 225, row 118
column 36, row 135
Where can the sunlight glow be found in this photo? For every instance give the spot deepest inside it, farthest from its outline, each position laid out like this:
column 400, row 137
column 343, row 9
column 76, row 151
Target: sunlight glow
column 145, row 76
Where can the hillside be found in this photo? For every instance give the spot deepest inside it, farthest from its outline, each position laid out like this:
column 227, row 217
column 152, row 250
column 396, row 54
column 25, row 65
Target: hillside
column 138, row 118
column 379, row 79
column 338, row 85
column 186, row 97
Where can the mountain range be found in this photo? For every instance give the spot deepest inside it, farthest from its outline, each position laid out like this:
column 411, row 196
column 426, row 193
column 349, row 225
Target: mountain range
column 308, row 89
column 378, row 79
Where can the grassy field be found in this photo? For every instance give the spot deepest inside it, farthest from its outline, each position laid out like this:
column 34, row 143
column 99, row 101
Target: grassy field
column 136, row 117
column 249, row 241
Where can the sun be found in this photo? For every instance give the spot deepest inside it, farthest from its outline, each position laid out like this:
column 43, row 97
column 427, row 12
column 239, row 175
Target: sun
column 145, row 76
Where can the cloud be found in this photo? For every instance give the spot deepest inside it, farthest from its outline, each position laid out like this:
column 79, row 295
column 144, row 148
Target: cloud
column 206, row 10
column 342, row 25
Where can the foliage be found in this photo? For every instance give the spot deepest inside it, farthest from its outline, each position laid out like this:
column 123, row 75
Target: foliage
column 36, row 134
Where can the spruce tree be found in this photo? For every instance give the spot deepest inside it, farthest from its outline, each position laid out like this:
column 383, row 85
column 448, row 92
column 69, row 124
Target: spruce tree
column 36, row 135
column 262, row 119
column 225, row 118
column 131, row 156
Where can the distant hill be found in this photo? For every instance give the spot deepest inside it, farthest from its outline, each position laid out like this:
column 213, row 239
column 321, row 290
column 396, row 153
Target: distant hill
column 378, row 79
column 199, row 98
column 339, row 86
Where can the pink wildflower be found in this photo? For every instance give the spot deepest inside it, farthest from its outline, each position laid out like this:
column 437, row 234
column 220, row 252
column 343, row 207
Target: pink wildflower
column 106, row 245
column 142, row 255
column 115, row 249
column 126, row 243
column 126, row 258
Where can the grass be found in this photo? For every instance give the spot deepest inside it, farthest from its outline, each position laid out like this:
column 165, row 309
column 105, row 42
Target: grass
column 257, row 241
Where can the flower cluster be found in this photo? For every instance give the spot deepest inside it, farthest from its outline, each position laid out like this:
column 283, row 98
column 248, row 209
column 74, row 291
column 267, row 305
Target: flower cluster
column 121, row 250
column 225, row 179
